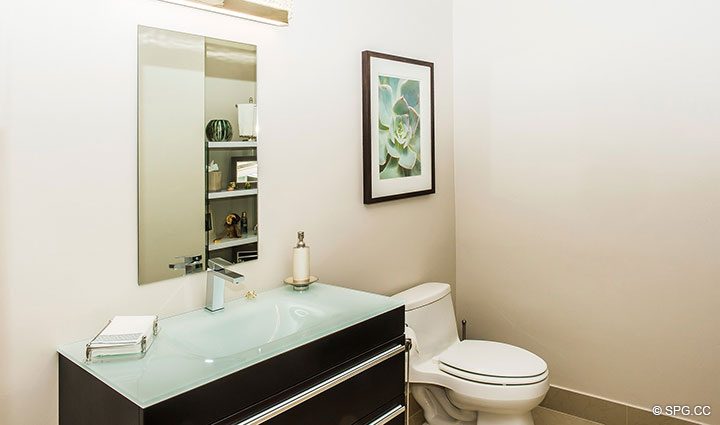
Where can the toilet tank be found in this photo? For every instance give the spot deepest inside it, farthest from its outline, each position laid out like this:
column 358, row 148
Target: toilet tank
column 429, row 312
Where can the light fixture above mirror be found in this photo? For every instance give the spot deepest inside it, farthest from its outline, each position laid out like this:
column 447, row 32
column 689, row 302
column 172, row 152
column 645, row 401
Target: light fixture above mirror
column 274, row 12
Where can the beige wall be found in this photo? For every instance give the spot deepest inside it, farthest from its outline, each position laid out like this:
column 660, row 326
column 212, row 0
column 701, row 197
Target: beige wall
column 72, row 105
column 588, row 190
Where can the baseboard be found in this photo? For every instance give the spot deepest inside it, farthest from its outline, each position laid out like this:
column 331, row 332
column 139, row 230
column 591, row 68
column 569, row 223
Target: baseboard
column 607, row 412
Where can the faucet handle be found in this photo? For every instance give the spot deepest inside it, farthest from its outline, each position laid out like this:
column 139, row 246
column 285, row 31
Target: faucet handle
column 189, row 259
column 188, row 262
column 218, row 263
column 219, row 267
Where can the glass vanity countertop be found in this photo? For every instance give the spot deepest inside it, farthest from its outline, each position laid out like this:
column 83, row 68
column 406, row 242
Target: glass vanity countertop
column 198, row 347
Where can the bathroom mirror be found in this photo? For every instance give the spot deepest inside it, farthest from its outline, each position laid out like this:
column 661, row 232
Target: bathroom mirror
column 197, row 153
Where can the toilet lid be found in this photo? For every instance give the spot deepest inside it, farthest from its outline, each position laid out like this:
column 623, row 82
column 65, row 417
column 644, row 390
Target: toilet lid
column 492, row 362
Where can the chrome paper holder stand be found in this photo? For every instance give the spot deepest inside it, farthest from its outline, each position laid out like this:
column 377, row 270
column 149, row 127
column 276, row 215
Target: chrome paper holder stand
column 89, row 349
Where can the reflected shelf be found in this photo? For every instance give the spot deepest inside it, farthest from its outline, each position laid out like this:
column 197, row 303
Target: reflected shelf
column 231, row 145
column 223, row 194
column 231, row 242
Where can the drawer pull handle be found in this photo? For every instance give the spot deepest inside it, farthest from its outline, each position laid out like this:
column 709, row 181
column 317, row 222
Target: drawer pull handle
column 311, row 392
column 387, row 417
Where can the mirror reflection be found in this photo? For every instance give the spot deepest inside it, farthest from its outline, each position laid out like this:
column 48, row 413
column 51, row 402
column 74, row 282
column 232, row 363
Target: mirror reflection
column 197, row 153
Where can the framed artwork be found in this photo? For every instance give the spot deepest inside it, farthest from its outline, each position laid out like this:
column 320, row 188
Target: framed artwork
column 398, row 127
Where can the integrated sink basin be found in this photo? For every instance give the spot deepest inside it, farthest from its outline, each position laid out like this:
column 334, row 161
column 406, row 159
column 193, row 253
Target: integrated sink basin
column 244, row 328
column 198, row 347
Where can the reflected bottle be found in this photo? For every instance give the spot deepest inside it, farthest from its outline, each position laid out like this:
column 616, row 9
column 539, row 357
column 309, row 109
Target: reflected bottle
column 243, row 223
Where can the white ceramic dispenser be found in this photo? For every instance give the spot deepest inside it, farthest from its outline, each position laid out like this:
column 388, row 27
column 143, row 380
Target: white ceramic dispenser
column 301, row 278
column 301, row 260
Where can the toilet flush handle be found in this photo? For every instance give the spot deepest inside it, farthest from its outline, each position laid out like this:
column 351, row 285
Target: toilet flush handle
column 411, row 342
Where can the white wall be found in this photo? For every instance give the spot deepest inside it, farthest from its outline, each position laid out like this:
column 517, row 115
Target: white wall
column 68, row 168
column 588, row 190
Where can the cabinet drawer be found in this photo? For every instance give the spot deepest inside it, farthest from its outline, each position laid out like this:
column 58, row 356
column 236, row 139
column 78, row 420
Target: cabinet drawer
column 231, row 399
column 390, row 414
column 398, row 420
column 350, row 401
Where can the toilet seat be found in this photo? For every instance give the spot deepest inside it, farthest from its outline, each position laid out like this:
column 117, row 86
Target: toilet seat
column 479, row 396
column 493, row 363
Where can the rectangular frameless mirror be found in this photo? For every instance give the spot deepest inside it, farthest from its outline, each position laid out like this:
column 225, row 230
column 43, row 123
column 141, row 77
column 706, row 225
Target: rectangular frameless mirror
column 197, row 153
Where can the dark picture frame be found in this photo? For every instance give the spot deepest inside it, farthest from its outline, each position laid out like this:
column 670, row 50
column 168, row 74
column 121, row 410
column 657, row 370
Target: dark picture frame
column 376, row 187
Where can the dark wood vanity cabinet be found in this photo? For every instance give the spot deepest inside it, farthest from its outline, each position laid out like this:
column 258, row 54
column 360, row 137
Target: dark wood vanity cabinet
column 355, row 376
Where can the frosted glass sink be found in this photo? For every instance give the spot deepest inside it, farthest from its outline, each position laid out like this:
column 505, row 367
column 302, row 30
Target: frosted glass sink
column 198, row 347
column 246, row 326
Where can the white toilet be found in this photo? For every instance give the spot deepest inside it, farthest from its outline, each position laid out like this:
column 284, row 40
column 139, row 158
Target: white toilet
column 466, row 382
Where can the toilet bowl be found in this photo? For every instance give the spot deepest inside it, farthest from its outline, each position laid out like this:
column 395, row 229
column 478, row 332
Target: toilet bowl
column 466, row 382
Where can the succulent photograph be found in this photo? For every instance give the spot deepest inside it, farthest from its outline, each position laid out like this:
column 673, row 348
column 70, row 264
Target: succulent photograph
column 398, row 103
column 399, row 127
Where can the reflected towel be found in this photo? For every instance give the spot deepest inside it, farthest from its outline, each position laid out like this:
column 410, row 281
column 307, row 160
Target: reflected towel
column 247, row 119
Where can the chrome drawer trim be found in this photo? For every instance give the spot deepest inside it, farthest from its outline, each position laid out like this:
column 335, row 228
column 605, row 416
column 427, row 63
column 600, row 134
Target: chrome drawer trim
column 311, row 392
column 387, row 417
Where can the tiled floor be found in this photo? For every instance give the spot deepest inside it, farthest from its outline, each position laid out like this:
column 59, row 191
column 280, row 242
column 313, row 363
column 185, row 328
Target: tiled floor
column 417, row 419
column 415, row 412
column 583, row 406
column 603, row 411
column 545, row 416
column 541, row 416
column 563, row 407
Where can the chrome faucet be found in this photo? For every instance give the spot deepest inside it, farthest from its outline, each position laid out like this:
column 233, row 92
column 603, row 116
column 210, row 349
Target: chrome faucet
column 217, row 275
column 190, row 264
